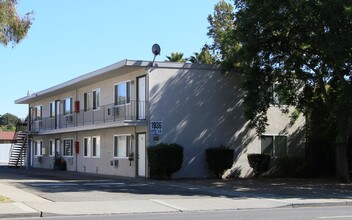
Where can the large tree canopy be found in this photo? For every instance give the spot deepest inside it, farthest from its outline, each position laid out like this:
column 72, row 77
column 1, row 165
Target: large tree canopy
column 13, row 28
column 300, row 50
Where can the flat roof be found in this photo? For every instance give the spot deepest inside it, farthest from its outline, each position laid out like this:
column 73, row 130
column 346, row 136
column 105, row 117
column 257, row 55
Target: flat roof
column 119, row 68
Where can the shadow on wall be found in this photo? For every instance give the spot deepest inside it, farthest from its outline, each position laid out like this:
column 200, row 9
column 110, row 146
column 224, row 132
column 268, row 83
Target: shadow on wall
column 199, row 109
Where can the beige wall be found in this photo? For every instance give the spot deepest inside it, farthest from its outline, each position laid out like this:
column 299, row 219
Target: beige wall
column 203, row 108
column 99, row 165
column 106, row 92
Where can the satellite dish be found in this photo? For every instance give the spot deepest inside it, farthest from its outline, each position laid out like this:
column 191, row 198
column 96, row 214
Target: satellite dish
column 156, row 49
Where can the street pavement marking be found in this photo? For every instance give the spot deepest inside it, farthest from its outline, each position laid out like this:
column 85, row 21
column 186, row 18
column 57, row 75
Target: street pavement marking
column 99, row 184
column 168, row 205
column 335, row 217
column 54, row 184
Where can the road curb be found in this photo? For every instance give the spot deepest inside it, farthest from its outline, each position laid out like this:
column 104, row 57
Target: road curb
column 320, row 204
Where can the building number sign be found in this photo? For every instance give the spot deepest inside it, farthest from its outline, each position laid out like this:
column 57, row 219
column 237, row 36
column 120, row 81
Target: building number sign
column 156, row 127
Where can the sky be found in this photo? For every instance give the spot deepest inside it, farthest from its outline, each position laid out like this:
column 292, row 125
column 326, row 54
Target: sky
column 71, row 38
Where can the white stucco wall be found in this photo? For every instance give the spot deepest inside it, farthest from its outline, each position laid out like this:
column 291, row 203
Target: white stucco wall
column 201, row 109
column 4, row 153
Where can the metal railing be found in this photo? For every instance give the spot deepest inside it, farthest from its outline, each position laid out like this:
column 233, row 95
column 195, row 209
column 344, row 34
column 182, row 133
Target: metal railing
column 135, row 110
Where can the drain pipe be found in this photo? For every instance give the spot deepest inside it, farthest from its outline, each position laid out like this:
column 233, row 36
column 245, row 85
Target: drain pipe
column 28, row 156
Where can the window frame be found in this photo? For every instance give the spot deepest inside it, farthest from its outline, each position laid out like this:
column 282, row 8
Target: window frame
column 95, row 152
column 274, row 144
column 38, row 145
column 38, row 113
column 89, row 147
column 64, row 147
column 128, row 93
column 65, row 105
column 52, row 109
column 96, row 99
column 86, row 101
column 128, row 145
column 52, row 146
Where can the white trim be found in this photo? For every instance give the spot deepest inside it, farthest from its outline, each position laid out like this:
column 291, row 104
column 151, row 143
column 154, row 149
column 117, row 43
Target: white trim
column 97, row 146
column 97, row 91
column 89, row 147
column 52, row 104
column 113, row 145
column 53, row 147
column 63, row 147
column 36, row 153
column 114, row 91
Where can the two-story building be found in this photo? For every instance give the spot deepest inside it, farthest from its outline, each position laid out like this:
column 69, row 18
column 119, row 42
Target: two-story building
column 102, row 122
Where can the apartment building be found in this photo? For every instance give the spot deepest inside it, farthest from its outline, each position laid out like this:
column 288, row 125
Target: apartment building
column 103, row 121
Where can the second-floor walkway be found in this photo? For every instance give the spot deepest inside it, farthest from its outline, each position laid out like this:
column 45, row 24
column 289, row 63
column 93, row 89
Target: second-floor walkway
column 133, row 113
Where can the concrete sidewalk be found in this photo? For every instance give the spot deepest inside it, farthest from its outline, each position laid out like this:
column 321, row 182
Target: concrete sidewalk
column 226, row 195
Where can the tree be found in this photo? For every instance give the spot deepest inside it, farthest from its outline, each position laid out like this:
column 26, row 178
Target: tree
column 8, row 122
column 204, row 57
column 221, row 31
column 176, row 57
column 304, row 48
column 12, row 27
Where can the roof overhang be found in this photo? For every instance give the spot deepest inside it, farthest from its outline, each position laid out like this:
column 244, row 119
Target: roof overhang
column 116, row 69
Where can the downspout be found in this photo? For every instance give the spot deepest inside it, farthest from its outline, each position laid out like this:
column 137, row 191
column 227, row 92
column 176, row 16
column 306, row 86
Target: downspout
column 75, row 150
column 76, row 118
column 27, row 137
column 148, row 69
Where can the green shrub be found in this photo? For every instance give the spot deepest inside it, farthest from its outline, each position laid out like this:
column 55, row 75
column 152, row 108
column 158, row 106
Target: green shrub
column 219, row 159
column 164, row 159
column 259, row 162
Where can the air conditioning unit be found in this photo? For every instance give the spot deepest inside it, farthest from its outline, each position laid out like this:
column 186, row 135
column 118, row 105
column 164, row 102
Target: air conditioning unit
column 69, row 118
column 114, row 163
column 113, row 111
column 70, row 160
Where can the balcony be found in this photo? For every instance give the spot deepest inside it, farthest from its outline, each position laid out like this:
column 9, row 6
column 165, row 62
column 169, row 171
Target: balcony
column 104, row 116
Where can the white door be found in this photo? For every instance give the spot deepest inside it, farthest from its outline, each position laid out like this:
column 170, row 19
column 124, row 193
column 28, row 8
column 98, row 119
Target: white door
column 141, row 98
column 141, row 154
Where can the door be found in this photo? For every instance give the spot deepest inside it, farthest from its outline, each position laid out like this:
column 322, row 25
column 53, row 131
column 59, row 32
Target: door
column 57, row 114
column 141, row 98
column 141, row 155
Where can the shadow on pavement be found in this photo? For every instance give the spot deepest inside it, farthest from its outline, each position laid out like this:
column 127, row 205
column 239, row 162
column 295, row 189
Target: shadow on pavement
column 50, row 181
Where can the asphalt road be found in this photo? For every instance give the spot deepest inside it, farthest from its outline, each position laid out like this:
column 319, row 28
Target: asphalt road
column 343, row 213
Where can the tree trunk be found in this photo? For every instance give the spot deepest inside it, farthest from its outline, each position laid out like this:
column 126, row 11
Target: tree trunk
column 342, row 170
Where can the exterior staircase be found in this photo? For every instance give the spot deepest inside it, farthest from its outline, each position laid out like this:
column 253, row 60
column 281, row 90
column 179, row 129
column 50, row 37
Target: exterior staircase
column 18, row 150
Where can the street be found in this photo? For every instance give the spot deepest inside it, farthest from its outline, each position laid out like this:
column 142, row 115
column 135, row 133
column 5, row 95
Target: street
column 267, row 214
column 68, row 195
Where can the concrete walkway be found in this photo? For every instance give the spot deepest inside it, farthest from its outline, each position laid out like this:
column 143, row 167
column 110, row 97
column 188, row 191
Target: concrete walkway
column 226, row 195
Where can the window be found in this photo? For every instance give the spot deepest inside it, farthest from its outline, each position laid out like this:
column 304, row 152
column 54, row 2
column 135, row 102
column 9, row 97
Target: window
column 275, row 145
column 68, row 106
column 122, row 93
column 52, row 109
column 95, row 146
column 38, row 148
column 52, row 148
column 68, row 147
column 86, row 147
column 86, row 98
column 122, row 145
column 38, row 113
column 96, row 99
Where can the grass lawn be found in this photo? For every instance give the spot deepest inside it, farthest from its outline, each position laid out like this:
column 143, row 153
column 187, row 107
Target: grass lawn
column 4, row 199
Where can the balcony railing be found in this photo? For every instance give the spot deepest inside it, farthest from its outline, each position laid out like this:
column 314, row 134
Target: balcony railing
column 133, row 111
